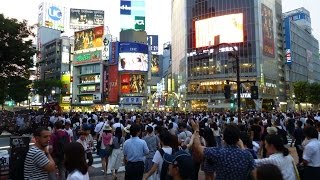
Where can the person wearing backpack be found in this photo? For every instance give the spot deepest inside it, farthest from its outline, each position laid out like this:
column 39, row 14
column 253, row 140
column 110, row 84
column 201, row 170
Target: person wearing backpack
column 159, row 166
column 58, row 140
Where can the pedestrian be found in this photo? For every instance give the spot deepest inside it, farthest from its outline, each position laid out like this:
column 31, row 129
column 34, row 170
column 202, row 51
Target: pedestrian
column 153, row 144
column 115, row 159
column 268, row 172
column 68, row 130
column 209, row 141
column 75, row 162
column 106, row 147
column 134, row 150
column 279, row 156
column 217, row 133
column 39, row 162
column 180, row 165
column 229, row 162
column 298, row 138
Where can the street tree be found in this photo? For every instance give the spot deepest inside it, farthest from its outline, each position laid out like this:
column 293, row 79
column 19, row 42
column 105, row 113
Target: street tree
column 44, row 87
column 16, row 53
column 300, row 89
column 313, row 93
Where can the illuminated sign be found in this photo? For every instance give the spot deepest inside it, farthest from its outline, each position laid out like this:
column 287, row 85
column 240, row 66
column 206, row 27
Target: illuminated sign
column 106, row 47
column 220, row 29
column 267, row 31
column 88, row 39
column 132, row 14
column 132, row 83
column 155, row 65
column 153, row 42
column 288, row 56
column 52, row 16
column 133, row 57
column 88, row 57
column 54, row 13
column 243, row 95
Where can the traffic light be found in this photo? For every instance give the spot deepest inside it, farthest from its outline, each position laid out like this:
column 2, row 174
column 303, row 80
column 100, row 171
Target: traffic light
column 232, row 103
column 227, row 91
column 254, row 92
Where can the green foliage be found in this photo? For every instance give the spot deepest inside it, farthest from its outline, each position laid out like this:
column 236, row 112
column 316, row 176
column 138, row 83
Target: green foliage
column 313, row 93
column 301, row 91
column 44, row 87
column 19, row 89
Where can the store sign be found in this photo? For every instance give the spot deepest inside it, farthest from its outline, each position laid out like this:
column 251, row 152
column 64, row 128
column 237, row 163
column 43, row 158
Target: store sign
column 88, row 57
column 153, row 42
column 66, row 99
column 114, row 53
column 288, row 56
column 125, row 7
column 106, row 40
column 52, row 16
column 243, row 95
column 132, row 100
column 139, row 23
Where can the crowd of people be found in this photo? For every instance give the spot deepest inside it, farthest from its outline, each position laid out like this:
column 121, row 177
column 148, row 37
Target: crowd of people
column 173, row 145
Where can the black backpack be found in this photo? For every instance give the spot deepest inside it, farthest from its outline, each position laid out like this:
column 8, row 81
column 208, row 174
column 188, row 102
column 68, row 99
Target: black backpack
column 165, row 167
column 283, row 133
column 60, row 144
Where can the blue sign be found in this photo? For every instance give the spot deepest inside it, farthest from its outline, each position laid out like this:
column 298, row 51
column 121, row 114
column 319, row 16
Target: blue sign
column 133, row 47
column 153, row 42
column 125, row 7
column 288, row 40
column 54, row 13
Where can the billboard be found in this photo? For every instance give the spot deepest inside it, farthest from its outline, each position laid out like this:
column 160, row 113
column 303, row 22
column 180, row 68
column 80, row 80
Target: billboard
column 132, row 83
column 226, row 29
column 114, row 53
column 155, row 65
column 86, row 18
column 132, row 14
column 153, row 42
column 133, row 57
column 288, row 40
column 87, row 39
column 52, row 16
column 267, row 31
column 106, row 40
column 113, row 95
column 87, row 57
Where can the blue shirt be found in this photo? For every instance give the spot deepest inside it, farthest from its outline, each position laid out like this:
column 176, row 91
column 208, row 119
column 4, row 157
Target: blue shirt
column 230, row 162
column 135, row 149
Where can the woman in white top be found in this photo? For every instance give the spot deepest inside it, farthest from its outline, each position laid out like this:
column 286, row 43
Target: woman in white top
column 279, row 156
column 75, row 162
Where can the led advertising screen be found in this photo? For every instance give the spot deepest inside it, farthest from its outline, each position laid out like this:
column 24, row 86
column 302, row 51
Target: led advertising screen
column 87, row 39
column 133, row 57
column 132, row 14
column 155, row 65
column 85, row 18
column 227, row 28
column 132, row 83
column 267, row 31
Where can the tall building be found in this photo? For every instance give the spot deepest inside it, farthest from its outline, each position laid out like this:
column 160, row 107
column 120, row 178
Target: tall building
column 201, row 69
column 302, row 48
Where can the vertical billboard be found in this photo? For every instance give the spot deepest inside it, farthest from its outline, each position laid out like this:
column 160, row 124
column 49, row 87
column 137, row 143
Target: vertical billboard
column 113, row 96
column 105, row 84
column 287, row 40
column 133, row 57
column 52, row 16
column 153, row 42
column 85, row 18
column 227, row 29
column 155, row 65
column 132, row 84
column 114, row 53
column 88, row 39
column 106, row 40
column 132, row 14
column 267, row 31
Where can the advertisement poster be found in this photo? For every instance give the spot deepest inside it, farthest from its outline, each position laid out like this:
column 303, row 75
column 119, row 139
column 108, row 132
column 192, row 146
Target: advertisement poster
column 85, row 18
column 113, row 96
column 267, row 31
column 106, row 47
column 227, row 28
column 88, row 57
column 105, row 83
column 133, row 57
column 155, row 67
column 132, row 83
column 114, row 53
column 89, row 38
column 52, row 16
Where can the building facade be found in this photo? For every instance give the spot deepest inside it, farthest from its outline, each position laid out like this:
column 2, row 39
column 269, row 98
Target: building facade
column 252, row 28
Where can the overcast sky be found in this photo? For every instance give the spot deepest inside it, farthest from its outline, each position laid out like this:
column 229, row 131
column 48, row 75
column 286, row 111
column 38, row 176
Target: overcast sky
column 157, row 13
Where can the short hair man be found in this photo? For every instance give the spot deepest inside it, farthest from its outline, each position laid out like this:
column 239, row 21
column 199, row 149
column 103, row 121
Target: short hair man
column 38, row 161
column 180, row 165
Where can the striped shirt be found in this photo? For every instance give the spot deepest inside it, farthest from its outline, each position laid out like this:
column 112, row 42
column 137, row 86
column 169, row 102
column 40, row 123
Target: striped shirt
column 34, row 164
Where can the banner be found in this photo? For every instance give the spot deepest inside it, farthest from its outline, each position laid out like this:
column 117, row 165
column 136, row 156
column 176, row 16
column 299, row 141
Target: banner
column 155, row 65
column 114, row 53
column 85, row 18
column 153, row 42
column 113, row 85
column 267, row 31
column 88, row 57
column 106, row 46
column 132, row 83
column 87, row 39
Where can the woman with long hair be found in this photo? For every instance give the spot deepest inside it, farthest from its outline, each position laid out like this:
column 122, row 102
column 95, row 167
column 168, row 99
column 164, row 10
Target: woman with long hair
column 279, row 156
column 75, row 161
column 106, row 146
column 115, row 160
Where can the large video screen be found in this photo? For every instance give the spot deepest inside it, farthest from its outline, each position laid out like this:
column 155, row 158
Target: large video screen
column 89, row 38
column 221, row 29
column 132, row 83
column 133, row 57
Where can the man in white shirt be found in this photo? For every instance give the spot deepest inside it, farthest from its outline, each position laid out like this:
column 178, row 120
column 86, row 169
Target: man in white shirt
column 99, row 126
column 184, row 133
column 117, row 124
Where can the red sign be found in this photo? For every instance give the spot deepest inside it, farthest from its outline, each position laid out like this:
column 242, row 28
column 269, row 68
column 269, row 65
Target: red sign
column 113, row 84
column 132, row 83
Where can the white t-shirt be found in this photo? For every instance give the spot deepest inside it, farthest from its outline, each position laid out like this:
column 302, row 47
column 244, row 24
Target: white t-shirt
column 77, row 175
column 158, row 159
column 70, row 132
column 115, row 125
